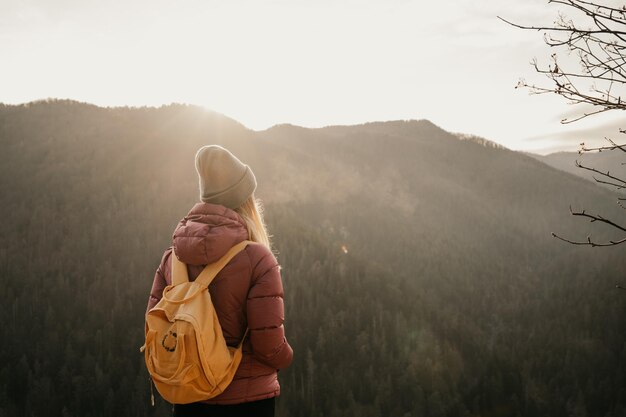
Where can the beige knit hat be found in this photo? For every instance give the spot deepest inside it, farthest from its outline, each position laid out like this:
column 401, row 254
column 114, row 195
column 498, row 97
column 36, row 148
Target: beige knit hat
column 224, row 179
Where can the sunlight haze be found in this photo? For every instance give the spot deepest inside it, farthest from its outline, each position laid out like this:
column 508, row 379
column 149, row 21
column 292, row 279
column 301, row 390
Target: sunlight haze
column 305, row 63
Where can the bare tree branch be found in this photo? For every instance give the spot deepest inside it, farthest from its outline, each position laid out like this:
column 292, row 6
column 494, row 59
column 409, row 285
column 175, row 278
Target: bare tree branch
column 563, row 29
column 606, row 174
column 598, row 40
column 596, row 218
column 604, row 148
column 589, row 242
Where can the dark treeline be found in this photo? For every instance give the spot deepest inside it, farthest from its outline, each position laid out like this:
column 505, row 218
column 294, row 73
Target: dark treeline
column 420, row 276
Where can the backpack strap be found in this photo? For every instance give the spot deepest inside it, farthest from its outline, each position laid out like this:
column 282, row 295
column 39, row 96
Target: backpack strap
column 210, row 271
column 243, row 338
column 179, row 270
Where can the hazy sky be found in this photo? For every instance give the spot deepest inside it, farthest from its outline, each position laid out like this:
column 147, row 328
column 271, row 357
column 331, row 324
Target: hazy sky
column 310, row 63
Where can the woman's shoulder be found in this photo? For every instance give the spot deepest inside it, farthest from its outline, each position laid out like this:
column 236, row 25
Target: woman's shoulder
column 261, row 258
column 165, row 264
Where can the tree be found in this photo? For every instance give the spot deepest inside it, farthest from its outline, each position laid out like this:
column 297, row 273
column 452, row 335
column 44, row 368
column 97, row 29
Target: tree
column 597, row 41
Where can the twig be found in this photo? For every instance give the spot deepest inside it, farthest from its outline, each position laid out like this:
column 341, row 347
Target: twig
column 596, row 218
column 589, row 242
column 606, row 174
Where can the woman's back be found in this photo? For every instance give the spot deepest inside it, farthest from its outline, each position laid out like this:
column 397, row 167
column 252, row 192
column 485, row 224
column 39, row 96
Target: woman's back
column 247, row 293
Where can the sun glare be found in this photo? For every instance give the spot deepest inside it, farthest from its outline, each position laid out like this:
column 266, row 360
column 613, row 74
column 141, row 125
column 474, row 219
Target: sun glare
column 264, row 63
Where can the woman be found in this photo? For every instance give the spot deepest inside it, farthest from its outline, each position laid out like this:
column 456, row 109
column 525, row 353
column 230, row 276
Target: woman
column 247, row 293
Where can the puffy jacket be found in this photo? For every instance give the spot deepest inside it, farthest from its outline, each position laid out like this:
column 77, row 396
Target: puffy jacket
column 248, row 292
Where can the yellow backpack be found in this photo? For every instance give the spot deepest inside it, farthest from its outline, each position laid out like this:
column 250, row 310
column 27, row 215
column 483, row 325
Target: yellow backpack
column 185, row 351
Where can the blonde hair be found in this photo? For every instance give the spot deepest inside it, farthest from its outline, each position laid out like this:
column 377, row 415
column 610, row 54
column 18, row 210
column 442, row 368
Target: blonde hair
column 252, row 212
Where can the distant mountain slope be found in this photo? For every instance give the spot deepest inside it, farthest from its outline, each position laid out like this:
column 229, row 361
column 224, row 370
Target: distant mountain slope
column 612, row 161
column 420, row 275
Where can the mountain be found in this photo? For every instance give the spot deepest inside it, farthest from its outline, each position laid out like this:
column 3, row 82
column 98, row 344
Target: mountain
column 419, row 271
column 611, row 161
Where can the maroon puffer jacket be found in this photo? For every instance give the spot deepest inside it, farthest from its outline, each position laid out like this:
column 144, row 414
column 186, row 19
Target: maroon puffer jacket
column 248, row 292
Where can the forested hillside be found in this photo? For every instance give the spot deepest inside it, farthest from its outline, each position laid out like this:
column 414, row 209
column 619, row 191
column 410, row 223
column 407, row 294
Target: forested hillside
column 419, row 272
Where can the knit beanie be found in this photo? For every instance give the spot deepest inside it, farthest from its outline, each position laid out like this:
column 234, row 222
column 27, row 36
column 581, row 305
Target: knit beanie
column 224, row 179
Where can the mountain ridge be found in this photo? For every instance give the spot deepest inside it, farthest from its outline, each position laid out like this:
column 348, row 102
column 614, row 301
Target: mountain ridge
column 395, row 123
column 611, row 161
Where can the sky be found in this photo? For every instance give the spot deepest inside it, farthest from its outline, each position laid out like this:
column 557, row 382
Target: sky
column 308, row 63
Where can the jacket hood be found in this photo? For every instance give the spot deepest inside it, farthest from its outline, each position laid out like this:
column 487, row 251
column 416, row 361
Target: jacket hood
column 207, row 232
